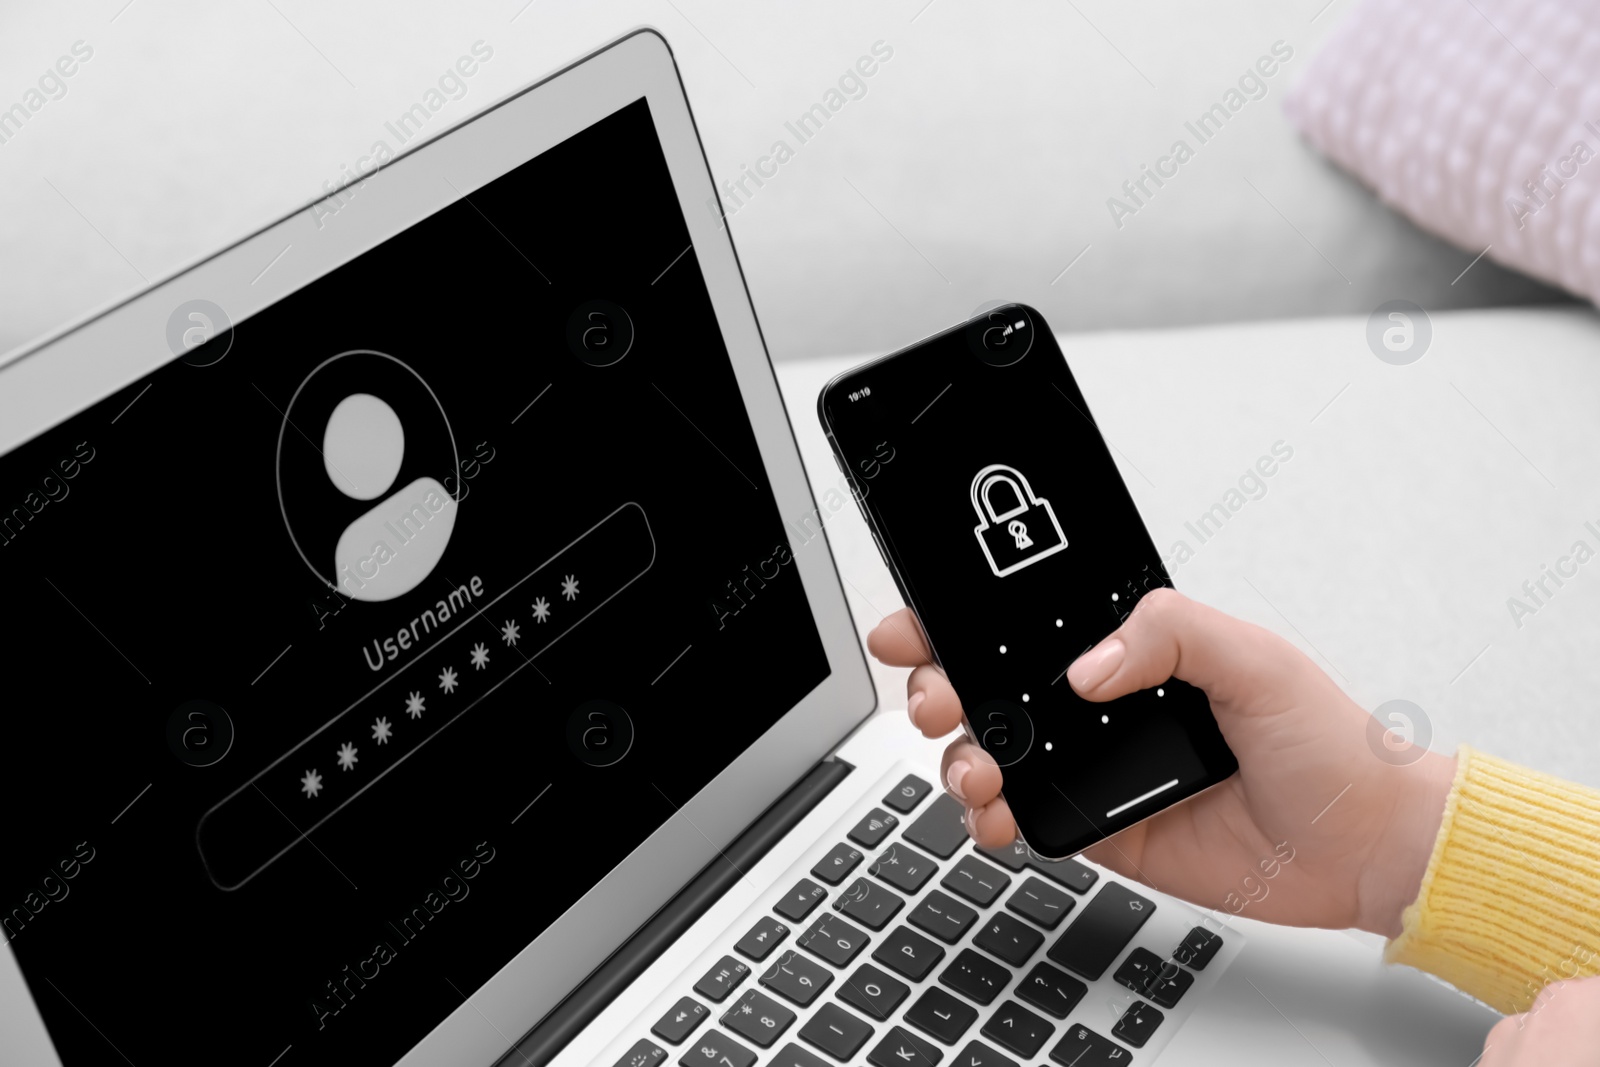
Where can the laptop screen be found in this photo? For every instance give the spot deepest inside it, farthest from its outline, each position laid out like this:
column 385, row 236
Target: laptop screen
column 354, row 646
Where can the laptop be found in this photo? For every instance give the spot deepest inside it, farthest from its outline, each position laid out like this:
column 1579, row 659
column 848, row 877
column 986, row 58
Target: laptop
column 427, row 650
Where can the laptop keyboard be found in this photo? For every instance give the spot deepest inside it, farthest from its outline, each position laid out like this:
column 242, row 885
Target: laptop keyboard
column 898, row 942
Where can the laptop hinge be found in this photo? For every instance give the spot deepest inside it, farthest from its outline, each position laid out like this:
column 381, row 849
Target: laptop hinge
column 606, row 981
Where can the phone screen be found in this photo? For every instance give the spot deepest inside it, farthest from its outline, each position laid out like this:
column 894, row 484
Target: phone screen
column 998, row 506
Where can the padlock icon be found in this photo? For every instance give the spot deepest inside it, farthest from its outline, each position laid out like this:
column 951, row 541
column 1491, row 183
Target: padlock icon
column 1015, row 528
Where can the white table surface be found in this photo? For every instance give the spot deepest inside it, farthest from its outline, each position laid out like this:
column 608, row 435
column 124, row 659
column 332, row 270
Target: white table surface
column 1415, row 505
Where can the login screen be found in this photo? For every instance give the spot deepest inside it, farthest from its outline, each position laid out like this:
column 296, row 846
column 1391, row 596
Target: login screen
column 353, row 646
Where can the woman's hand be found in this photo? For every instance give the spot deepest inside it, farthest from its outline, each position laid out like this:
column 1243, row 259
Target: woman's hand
column 1314, row 830
column 1562, row 1029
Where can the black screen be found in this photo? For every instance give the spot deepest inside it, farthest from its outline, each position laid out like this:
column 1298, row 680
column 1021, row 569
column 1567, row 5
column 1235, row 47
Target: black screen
column 351, row 649
column 998, row 505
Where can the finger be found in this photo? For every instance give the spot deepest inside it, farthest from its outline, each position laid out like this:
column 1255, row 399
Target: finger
column 970, row 773
column 1170, row 636
column 992, row 826
column 932, row 702
column 1120, row 853
column 1500, row 1047
column 898, row 640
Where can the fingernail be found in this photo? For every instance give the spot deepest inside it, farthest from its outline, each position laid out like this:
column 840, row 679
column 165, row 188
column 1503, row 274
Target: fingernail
column 1096, row 665
column 970, row 820
column 911, row 707
column 955, row 775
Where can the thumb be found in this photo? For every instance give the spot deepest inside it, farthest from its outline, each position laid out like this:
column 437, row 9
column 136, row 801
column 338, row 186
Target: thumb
column 1170, row 636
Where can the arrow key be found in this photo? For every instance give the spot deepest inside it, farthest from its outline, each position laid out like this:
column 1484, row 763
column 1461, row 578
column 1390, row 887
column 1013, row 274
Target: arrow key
column 1148, row 975
column 901, row 1048
column 679, row 1021
column 1137, row 1024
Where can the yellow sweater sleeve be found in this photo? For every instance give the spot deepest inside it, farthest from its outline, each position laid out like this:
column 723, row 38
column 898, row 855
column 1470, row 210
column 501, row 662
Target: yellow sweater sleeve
column 1510, row 901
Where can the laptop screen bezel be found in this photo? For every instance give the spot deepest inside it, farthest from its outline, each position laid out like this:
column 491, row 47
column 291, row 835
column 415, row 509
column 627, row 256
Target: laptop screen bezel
column 42, row 385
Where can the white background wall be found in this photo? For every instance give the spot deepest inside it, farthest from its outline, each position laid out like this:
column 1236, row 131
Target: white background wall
column 975, row 168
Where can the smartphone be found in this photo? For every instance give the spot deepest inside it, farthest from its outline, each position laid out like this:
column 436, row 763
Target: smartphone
column 998, row 507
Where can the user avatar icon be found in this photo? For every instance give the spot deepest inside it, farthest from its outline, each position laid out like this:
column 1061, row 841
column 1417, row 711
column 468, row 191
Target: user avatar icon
column 365, row 459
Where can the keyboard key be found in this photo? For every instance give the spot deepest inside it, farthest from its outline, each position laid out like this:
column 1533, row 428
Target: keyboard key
column 1013, row 857
column 873, row 992
column 941, row 1016
column 1137, row 1024
column 796, row 978
column 869, row 904
column 1070, row 873
column 715, row 1049
column 976, row 880
column 836, row 866
column 1010, row 939
column 1017, row 1029
column 1103, row 929
column 758, row 1018
column 836, row 1032
column 792, row 1055
column 798, row 902
column 1044, row 904
column 908, row 794
column 763, row 937
column 908, row 953
column 873, row 828
column 940, row 829
column 975, row 976
column 901, row 1048
column 1148, row 975
column 723, row 977
column 1199, row 947
column 644, row 1053
column 834, row 940
column 1051, row 991
column 903, row 867
column 680, row 1021
column 943, row 917
column 1082, row 1047
column 977, row 1054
